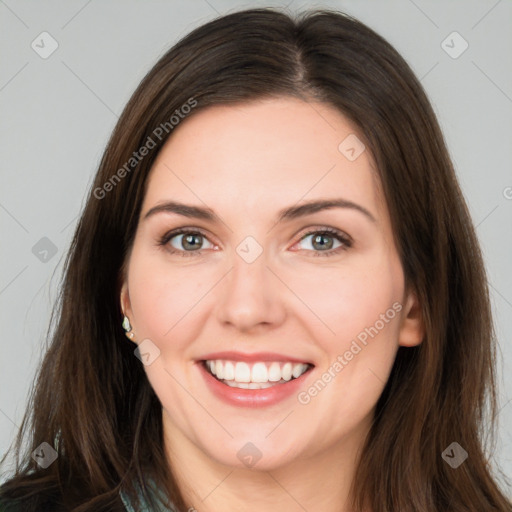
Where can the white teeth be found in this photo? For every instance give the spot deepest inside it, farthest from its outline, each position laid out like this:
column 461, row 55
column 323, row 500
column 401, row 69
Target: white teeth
column 298, row 370
column 248, row 385
column 274, row 372
column 287, row 371
column 242, row 372
column 219, row 369
column 229, row 371
column 259, row 375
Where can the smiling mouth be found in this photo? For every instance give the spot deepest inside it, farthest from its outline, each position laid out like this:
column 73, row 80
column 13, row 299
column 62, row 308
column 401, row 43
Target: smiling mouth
column 257, row 375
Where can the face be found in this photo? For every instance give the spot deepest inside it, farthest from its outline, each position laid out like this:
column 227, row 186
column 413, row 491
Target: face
column 266, row 322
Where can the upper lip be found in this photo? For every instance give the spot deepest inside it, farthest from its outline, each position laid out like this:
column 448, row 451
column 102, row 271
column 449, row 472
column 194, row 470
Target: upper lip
column 253, row 357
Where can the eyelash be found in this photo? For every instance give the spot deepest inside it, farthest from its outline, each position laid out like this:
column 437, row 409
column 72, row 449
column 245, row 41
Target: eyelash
column 334, row 233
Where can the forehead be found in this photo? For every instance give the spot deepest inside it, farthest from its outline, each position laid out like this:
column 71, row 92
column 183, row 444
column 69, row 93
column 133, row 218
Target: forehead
column 241, row 159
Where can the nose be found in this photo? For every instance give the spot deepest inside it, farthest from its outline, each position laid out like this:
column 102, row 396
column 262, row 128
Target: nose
column 252, row 297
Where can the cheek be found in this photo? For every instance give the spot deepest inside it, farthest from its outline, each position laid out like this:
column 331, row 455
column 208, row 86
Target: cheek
column 162, row 300
column 349, row 299
column 360, row 308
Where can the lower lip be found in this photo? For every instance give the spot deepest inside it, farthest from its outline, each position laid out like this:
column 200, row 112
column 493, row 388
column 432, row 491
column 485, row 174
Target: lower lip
column 252, row 397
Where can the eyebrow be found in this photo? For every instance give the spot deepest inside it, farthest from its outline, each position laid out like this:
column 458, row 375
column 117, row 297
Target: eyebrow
column 286, row 214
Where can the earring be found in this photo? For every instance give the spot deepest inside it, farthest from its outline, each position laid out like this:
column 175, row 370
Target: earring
column 127, row 327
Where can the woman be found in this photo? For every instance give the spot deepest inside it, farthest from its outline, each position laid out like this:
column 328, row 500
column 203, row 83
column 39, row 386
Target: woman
column 247, row 373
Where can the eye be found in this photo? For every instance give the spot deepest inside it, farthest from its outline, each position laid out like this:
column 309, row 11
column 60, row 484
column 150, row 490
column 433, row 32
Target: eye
column 188, row 242
column 185, row 242
column 324, row 240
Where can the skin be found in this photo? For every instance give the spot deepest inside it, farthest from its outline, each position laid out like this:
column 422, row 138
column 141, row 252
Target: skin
column 246, row 163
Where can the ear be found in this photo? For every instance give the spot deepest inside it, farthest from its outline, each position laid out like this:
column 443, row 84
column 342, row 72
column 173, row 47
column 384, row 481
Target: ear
column 412, row 329
column 127, row 311
column 125, row 301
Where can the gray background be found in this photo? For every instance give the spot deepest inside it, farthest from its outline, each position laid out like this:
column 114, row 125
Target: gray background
column 57, row 114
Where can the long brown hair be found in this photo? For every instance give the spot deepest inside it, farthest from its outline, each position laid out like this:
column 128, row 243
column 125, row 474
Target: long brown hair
column 92, row 401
